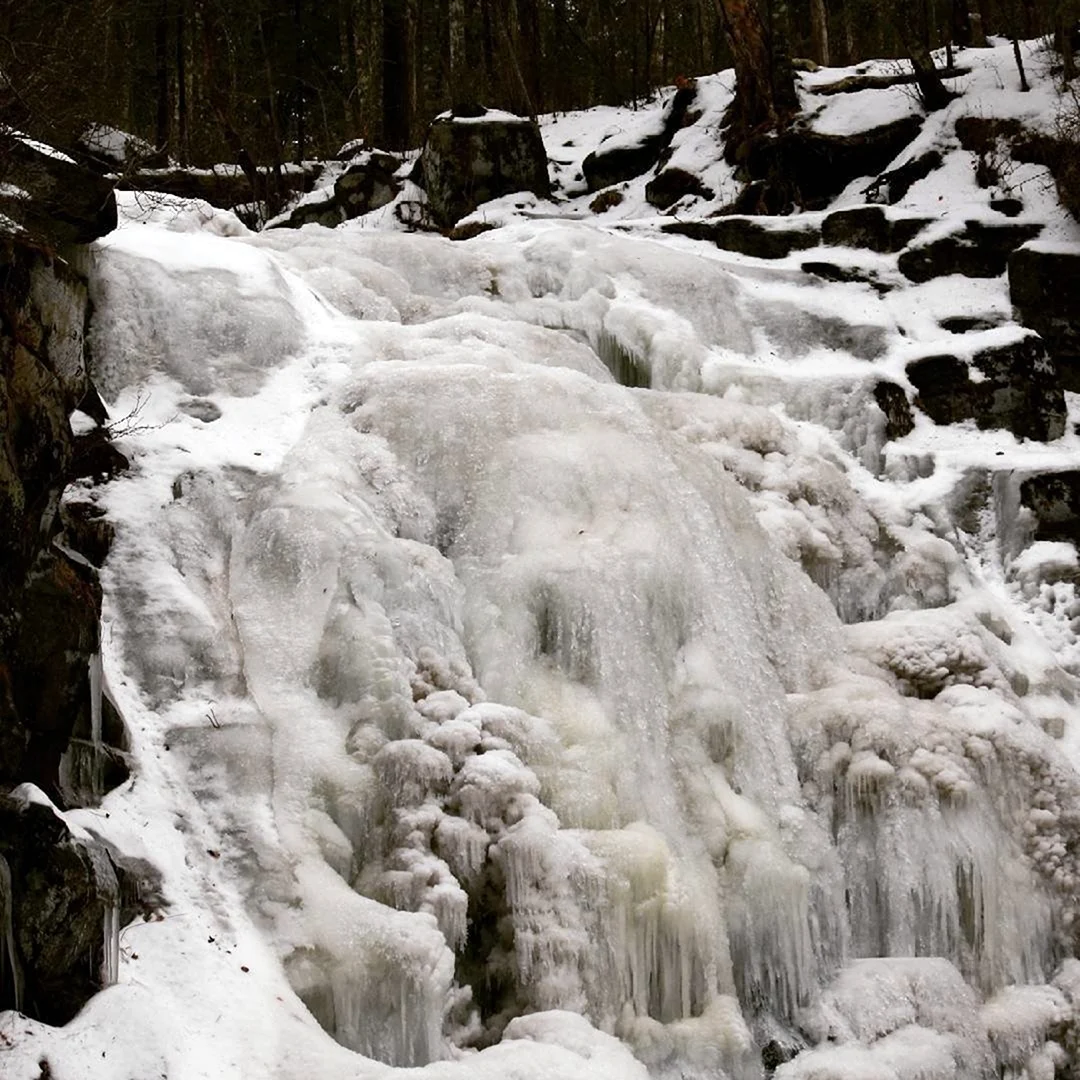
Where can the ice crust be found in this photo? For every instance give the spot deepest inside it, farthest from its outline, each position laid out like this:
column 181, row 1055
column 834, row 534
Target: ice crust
column 491, row 703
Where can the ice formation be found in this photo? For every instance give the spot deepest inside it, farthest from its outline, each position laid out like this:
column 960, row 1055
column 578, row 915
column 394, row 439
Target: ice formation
column 528, row 695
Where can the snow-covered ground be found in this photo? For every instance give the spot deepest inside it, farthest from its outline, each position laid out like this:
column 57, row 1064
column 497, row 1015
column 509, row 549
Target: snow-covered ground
column 478, row 700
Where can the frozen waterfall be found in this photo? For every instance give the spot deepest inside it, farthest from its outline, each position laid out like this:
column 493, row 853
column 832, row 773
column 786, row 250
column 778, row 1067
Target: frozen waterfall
column 500, row 708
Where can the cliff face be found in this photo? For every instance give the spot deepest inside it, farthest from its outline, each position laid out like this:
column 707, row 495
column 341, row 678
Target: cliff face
column 49, row 601
column 60, row 894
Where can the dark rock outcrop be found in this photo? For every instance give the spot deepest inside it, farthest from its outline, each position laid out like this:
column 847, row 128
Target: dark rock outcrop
column 1054, row 500
column 43, row 306
column 892, row 186
column 63, row 896
column 368, row 183
column 469, row 160
column 1016, row 388
column 316, row 211
column 807, row 168
column 851, row 275
column 621, row 160
column 749, row 236
column 893, row 402
column 110, row 150
column 49, row 656
column 672, row 185
column 60, row 896
column 870, row 227
column 980, row 251
column 1045, row 286
column 53, row 198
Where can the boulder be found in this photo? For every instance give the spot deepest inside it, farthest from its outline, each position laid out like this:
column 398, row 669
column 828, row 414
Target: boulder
column 673, row 184
column 51, row 196
column 1015, row 388
column 750, row 236
column 1054, row 500
column 48, row 660
column 468, row 160
column 870, row 227
column 63, row 896
column 368, row 183
column 606, row 200
column 321, row 209
column 108, row 149
column 850, row 275
column 968, row 324
column 1044, row 284
column 808, row 168
column 893, row 402
column 623, row 159
column 980, row 251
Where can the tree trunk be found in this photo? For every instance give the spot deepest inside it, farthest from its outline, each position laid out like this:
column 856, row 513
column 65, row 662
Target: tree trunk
column 1063, row 26
column 765, row 97
column 487, row 17
column 528, row 49
column 931, row 88
column 163, row 117
column 960, row 23
column 182, row 150
column 819, row 32
column 1020, row 66
column 395, row 75
column 300, row 77
column 460, row 89
column 980, row 23
column 351, row 77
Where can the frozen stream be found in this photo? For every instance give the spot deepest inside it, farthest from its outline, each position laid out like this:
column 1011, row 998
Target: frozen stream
column 492, row 717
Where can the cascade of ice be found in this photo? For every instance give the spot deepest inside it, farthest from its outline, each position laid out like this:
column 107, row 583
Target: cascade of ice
column 526, row 710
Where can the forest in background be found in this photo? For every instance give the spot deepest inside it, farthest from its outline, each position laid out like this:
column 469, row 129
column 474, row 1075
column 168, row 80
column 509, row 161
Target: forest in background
column 288, row 80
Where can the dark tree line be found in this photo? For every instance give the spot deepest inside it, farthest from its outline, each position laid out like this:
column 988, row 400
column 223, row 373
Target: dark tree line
column 282, row 80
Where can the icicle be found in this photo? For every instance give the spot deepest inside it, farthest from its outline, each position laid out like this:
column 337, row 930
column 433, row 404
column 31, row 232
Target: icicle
column 9, row 960
column 97, row 747
column 110, row 967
